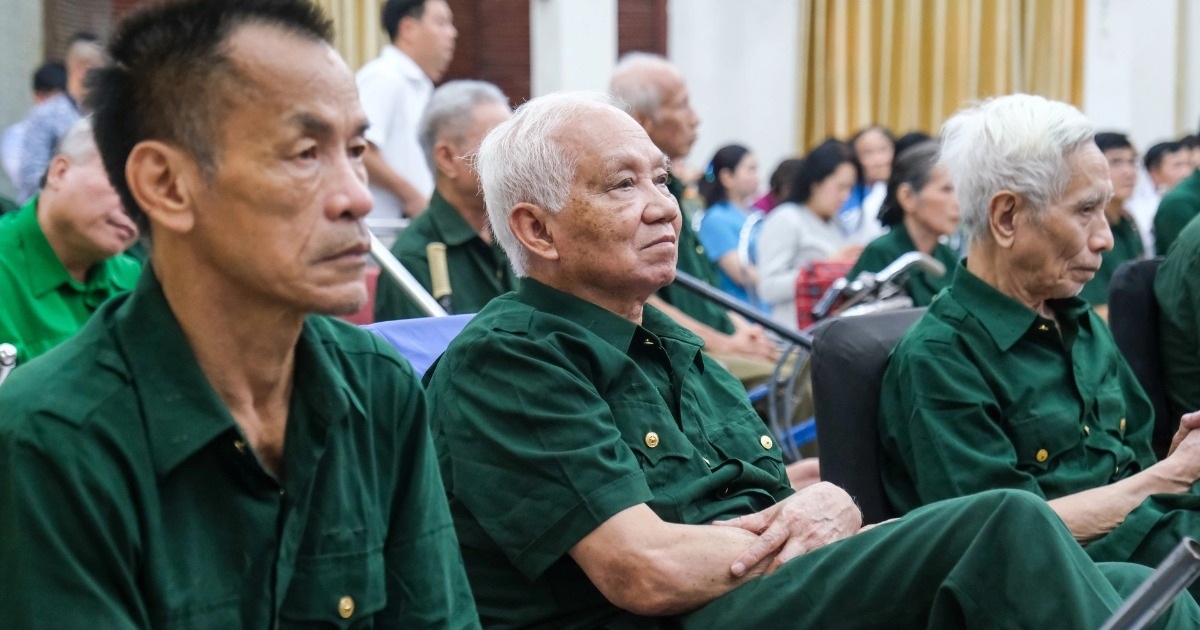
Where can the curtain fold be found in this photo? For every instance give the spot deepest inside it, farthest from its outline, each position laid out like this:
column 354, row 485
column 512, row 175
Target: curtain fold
column 910, row 64
column 358, row 34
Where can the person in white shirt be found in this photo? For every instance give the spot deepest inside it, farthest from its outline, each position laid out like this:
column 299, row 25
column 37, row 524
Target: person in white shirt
column 395, row 88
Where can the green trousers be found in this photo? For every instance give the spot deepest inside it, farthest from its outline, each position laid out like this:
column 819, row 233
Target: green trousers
column 1000, row 559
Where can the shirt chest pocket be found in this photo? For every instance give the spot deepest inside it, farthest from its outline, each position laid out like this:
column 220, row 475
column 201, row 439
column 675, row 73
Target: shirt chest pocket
column 1042, row 442
column 342, row 590
column 662, row 450
column 744, row 437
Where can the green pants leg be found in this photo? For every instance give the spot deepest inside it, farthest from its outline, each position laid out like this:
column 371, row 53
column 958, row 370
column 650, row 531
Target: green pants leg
column 1151, row 532
column 999, row 559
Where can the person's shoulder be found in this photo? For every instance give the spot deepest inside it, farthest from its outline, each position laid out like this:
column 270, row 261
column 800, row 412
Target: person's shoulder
column 1186, row 194
column 354, row 344
column 938, row 329
column 420, row 232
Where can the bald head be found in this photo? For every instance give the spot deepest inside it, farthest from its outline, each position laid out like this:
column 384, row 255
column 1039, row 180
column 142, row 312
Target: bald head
column 655, row 94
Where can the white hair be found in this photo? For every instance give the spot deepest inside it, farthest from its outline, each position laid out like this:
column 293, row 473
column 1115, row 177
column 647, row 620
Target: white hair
column 522, row 161
column 632, row 84
column 451, row 110
column 78, row 143
column 1018, row 142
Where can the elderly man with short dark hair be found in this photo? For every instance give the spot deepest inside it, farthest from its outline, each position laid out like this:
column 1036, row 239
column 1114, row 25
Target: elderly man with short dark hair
column 210, row 451
column 604, row 472
column 1010, row 380
column 458, row 117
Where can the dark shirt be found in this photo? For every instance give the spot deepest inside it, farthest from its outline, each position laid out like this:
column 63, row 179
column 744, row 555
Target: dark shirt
column 1178, row 207
column 478, row 271
column 131, row 499
column 884, row 250
column 1177, row 288
column 1127, row 245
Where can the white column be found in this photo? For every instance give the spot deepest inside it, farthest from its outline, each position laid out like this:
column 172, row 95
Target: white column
column 573, row 44
column 1131, row 66
column 20, row 54
column 740, row 62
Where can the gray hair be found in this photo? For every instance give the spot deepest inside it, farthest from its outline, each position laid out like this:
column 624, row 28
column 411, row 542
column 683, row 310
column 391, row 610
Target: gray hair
column 78, row 144
column 630, row 84
column 522, row 161
column 1018, row 142
column 450, row 111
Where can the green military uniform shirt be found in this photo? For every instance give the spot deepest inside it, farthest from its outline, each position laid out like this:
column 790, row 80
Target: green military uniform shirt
column 551, row 415
column 478, row 271
column 692, row 260
column 1177, row 288
column 131, row 499
column 884, row 250
column 40, row 303
column 984, row 393
column 1176, row 209
column 1127, row 245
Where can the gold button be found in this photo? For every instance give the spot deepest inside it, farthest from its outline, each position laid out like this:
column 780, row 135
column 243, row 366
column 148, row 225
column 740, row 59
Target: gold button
column 651, row 439
column 700, row 249
column 346, row 606
column 240, row 445
column 1087, row 430
column 1122, row 424
column 648, row 342
column 766, row 442
column 1043, row 327
column 1042, row 455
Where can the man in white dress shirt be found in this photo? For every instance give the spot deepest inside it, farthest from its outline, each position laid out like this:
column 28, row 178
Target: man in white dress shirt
column 394, row 88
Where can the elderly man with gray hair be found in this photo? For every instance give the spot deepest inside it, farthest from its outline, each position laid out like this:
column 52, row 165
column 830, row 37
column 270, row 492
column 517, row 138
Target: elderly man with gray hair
column 602, row 471
column 1010, row 380
column 458, row 117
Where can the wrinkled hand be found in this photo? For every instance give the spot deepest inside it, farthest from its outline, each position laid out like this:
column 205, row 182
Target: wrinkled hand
column 1187, row 423
column 810, row 519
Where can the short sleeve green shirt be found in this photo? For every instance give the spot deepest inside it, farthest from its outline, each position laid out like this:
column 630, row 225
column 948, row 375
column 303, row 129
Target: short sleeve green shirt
column 550, row 415
column 131, row 499
column 40, row 303
column 1177, row 288
column 692, row 260
column 921, row 286
column 1127, row 246
column 983, row 393
column 1178, row 207
column 478, row 271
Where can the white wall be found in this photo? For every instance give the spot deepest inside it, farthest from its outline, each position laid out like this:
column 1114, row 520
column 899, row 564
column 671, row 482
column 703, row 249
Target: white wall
column 573, row 44
column 1133, row 81
column 20, row 54
column 740, row 61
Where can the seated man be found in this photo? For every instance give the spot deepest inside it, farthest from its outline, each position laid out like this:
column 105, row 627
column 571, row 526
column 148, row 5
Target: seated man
column 589, row 445
column 1127, row 241
column 60, row 254
column 1177, row 288
column 1010, row 380
column 458, row 116
column 206, row 452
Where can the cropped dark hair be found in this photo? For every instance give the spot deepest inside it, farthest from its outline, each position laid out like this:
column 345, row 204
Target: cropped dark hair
column 911, row 139
column 396, row 10
column 912, row 167
column 50, row 76
column 1189, row 142
column 1109, row 140
column 726, row 158
column 170, row 78
column 819, row 165
column 781, row 178
column 1155, row 154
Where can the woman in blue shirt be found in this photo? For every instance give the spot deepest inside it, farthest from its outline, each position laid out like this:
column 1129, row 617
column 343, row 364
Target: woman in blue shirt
column 728, row 187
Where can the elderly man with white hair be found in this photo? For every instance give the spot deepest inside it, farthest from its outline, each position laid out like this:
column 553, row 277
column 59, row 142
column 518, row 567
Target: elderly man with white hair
column 603, row 471
column 1010, row 380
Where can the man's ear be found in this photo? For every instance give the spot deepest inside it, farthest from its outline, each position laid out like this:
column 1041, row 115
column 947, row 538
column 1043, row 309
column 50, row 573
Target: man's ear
column 163, row 179
column 531, row 225
column 57, row 170
column 447, row 159
column 1004, row 212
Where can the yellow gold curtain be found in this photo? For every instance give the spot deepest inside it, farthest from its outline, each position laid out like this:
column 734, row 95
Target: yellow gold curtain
column 359, row 35
column 910, row 64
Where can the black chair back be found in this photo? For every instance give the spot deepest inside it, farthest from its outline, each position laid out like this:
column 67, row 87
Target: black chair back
column 1133, row 319
column 848, row 360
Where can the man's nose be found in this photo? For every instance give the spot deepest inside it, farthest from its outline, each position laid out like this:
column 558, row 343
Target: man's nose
column 350, row 196
column 1102, row 237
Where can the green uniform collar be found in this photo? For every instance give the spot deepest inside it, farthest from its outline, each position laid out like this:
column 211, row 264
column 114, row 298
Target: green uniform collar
column 44, row 270
column 612, row 328
column 1005, row 319
column 449, row 223
column 183, row 411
